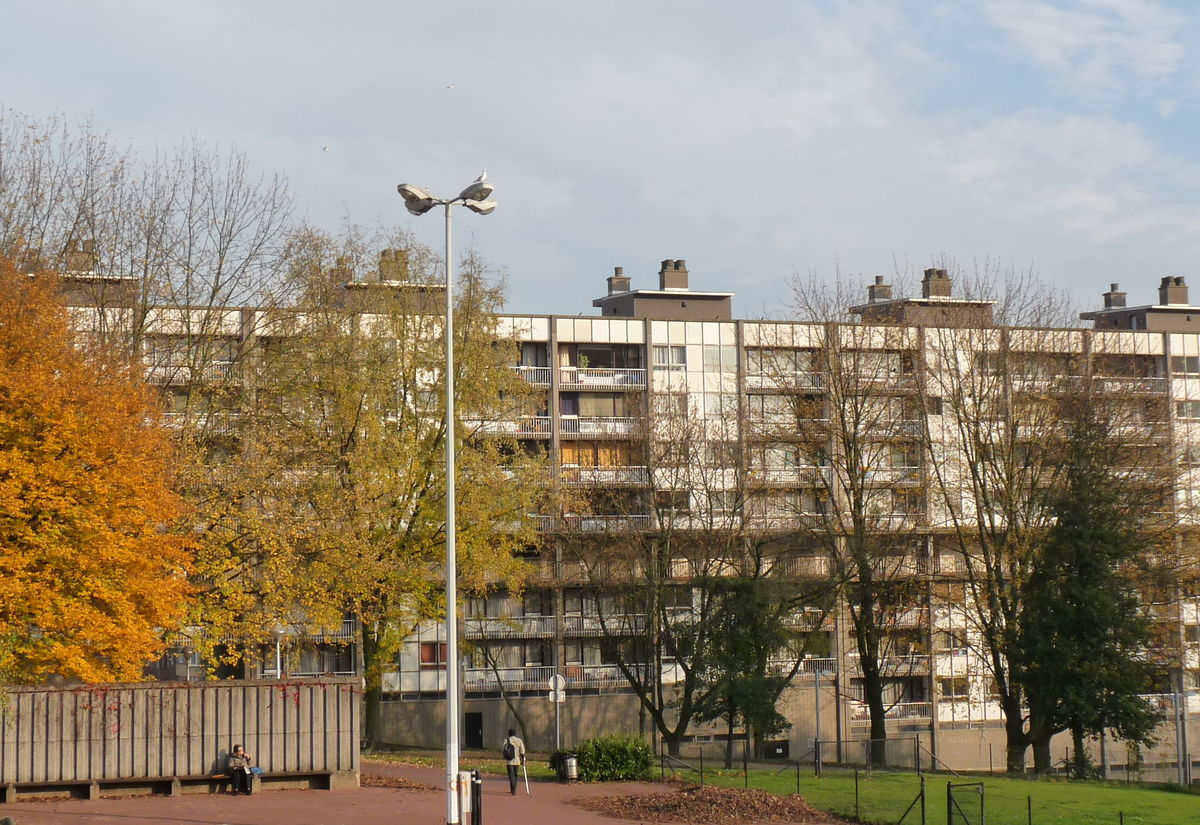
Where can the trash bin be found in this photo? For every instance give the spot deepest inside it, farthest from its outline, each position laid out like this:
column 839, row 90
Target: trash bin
column 572, row 764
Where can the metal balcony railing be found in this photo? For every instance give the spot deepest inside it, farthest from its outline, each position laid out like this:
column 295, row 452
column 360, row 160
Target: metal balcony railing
column 784, row 380
column 605, row 475
column 601, row 377
column 859, row 712
column 508, row 627
column 598, row 425
column 790, row 475
column 529, row 425
column 538, row 376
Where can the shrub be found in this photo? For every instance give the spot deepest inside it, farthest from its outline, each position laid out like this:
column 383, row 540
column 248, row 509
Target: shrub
column 613, row 758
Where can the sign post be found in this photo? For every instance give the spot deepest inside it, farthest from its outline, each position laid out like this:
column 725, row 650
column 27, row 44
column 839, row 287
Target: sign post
column 558, row 695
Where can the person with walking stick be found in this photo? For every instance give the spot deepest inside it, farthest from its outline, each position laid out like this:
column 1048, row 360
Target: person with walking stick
column 514, row 757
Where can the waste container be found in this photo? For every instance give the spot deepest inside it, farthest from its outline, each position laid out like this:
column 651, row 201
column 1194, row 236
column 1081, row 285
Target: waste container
column 572, row 765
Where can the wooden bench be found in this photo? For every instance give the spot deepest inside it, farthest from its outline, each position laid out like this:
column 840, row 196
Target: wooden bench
column 169, row 785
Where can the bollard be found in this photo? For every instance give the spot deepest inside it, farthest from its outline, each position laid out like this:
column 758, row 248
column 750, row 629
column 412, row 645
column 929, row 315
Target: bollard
column 464, row 796
column 476, row 798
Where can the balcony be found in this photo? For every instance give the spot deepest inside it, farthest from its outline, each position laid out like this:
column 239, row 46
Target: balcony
column 537, row 677
column 528, row 426
column 602, row 523
column 182, row 374
column 538, row 376
column 859, row 712
column 1130, row 386
column 894, row 476
column 790, row 476
column 910, row 664
column 508, row 627
column 616, row 625
column 598, row 425
column 605, row 475
column 601, row 378
column 785, row 381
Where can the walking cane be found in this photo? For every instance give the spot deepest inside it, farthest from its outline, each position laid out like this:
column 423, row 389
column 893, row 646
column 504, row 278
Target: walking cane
column 526, row 777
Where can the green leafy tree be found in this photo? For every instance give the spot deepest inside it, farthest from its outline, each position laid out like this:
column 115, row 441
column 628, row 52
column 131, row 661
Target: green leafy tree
column 1083, row 639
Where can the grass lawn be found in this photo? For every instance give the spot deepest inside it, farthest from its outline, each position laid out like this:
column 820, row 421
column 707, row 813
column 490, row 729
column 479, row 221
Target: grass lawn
column 883, row 798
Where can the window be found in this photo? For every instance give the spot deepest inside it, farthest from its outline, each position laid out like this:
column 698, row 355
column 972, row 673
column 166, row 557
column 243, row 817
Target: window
column 1187, row 409
column 670, row 357
column 1189, row 364
column 719, row 358
column 956, row 687
column 1191, row 633
column 672, row 502
column 433, row 655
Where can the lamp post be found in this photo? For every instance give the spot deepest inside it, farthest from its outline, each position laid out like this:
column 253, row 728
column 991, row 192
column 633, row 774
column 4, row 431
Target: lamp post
column 418, row 201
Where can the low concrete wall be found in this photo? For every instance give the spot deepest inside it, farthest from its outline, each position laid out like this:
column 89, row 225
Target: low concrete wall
column 108, row 732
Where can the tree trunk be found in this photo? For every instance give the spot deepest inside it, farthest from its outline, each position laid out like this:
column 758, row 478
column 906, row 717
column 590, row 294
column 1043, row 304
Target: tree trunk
column 372, row 689
column 1081, row 761
column 1016, row 742
column 729, row 740
column 672, row 741
column 873, row 693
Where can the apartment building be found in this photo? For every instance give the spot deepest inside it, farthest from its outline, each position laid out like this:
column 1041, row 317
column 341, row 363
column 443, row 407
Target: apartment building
column 668, row 416
column 758, row 399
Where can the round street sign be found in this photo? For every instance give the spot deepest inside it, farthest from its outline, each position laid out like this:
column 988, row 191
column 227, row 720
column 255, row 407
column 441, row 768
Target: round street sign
column 557, row 682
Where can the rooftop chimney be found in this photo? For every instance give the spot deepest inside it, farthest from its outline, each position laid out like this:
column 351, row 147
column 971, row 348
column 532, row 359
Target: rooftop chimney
column 879, row 291
column 1172, row 291
column 1114, row 298
column 79, row 256
column 673, row 275
column 936, row 284
column 617, row 282
column 393, row 265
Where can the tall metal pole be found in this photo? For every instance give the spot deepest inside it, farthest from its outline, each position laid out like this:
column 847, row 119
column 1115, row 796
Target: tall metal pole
column 452, row 813
column 817, row 708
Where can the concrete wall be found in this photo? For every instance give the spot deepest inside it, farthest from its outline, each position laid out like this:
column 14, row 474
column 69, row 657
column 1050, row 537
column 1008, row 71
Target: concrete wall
column 97, row 732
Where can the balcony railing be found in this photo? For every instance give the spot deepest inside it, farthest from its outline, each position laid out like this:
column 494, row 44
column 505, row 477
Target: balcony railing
column 1127, row 384
column 784, row 380
column 605, row 475
column 598, row 425
column 906, row 665
column 508, row 627
column 601, row 377
column 186, row 374
column 538, row 376
column 538, row 677
column 790, row 475
column 617, row 625
column 525, row 426
column 602, row 523
column 859, row 712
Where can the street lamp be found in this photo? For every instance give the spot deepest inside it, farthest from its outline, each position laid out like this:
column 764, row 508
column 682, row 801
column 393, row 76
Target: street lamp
column 418, row 201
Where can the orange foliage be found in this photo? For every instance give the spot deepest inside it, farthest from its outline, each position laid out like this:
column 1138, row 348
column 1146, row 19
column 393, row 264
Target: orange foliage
column 90, row 573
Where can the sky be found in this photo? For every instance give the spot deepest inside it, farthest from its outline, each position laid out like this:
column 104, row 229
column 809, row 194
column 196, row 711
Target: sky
column 757, row 140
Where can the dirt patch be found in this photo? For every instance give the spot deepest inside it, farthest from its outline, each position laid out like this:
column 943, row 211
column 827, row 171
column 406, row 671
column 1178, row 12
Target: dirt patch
column 374, row 780
column 709, row 806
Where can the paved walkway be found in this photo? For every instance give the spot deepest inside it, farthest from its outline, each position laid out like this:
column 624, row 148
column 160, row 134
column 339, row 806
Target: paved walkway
column 365, row 806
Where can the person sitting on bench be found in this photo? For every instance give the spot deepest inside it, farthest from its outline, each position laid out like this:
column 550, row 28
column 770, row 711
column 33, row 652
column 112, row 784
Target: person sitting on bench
column 238, row 768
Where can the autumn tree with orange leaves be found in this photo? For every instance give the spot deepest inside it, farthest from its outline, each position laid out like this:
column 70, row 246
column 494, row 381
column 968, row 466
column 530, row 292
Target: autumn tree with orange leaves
column 92, row 573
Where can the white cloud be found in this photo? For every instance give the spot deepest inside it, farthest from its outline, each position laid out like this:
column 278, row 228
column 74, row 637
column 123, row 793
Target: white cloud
column 1095, row 47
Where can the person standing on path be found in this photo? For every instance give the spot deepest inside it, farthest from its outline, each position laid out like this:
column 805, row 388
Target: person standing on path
column 514, row 758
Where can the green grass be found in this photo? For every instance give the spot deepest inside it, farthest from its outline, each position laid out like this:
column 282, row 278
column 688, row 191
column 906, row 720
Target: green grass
column 485, row 761
column 883, row 798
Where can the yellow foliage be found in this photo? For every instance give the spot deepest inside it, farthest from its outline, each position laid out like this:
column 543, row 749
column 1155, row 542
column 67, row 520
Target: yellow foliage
column 91, row 574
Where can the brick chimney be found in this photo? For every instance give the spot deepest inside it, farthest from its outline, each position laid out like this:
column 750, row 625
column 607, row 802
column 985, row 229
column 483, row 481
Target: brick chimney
column 879, row 291
column 936, row 284
column 1114, row 298
column 80, row 256
column 617, row 282
column 1172, row 291
column 393, row 265
column 673, row 275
